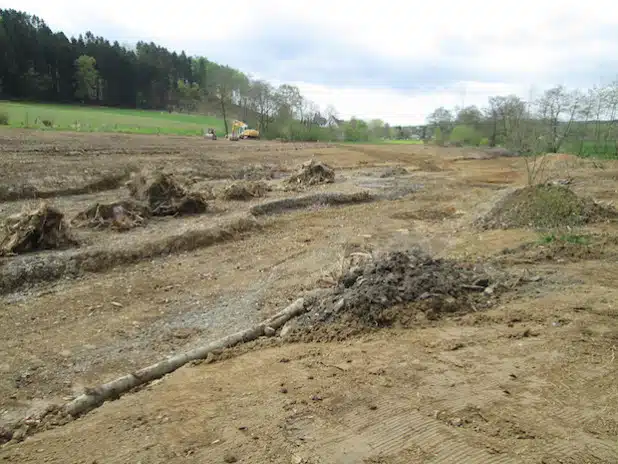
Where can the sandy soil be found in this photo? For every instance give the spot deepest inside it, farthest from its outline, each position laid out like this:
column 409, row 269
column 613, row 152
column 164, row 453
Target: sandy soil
column 531, row 380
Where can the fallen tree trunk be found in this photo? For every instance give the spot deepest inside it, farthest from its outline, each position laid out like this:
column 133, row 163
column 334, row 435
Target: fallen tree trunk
column 112, row 390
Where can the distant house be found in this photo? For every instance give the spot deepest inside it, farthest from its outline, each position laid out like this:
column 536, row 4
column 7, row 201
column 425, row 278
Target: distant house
column 331, row 121
column 320, row 121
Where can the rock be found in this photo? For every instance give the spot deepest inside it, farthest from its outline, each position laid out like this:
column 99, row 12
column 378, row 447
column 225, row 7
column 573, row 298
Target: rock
column 229, row 458
column 269, row 331
column 286, row 329
column 5, row 435
column 19, row 434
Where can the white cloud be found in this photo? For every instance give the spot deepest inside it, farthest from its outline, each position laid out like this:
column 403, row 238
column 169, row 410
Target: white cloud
column 392, row 52
column 397, row 108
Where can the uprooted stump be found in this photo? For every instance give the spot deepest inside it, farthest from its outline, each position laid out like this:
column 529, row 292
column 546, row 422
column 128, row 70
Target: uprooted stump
column 399, row 287
column 312, row 173
column 243, row 190
column 120, row 215
column 544, row 206
column 43, row 228
column 164, row 195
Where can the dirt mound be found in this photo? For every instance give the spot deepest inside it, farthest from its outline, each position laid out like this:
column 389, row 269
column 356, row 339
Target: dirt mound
column 560, row 248
column 312, row 173
column 120, row 215
column 43, row 228
column 244, row 191
column 398, row 287
column 544, row 206
column 316, row 200
column 164, row 195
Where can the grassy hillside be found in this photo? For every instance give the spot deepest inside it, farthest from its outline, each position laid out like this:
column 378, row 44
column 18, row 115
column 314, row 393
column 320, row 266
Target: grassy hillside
column 98, row 119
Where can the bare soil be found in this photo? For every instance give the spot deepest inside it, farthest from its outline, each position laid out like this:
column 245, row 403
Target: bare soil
column 523, row 373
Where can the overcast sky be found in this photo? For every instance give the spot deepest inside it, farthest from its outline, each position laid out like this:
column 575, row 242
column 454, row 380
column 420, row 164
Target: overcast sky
column 393, row 60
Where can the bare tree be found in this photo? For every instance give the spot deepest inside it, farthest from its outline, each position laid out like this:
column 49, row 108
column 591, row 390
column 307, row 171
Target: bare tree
column 557, row 110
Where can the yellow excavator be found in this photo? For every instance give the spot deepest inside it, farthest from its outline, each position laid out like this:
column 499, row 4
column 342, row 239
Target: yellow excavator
column 240, row 130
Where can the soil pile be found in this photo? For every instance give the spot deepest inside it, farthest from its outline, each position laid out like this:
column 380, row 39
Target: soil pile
column 567, row 247
column 544, row 206
column 43, row 228
column 120, row 215
column 164, row 195
column 398, row 287
column 312, row 173
column 244, row 191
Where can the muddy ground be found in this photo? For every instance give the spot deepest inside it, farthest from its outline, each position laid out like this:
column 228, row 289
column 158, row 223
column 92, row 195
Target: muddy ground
column 529, row 379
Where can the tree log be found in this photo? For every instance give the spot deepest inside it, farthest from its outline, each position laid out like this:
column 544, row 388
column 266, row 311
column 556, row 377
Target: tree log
column 113, row 389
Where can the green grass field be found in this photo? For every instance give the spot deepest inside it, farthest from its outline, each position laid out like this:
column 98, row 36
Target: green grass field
column 403, row 142
column 92, row 119
column 385, row 142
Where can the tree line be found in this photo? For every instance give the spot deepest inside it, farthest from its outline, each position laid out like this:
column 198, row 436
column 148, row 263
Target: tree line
column 583, row 122
column 42, row 65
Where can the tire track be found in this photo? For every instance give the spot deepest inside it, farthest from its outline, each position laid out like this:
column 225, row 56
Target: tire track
column 389, row 431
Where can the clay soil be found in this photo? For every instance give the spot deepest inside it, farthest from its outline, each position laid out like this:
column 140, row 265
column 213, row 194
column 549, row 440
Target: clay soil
column 531, row 378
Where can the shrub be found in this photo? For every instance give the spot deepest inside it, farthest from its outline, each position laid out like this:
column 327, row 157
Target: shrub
column 466, row 135
column 4, row 118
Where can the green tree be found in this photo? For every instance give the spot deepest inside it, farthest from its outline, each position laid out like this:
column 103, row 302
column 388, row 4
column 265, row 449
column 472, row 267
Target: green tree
column 87, row 78
column 466, row 135
column 438, row 136
column 441, row 118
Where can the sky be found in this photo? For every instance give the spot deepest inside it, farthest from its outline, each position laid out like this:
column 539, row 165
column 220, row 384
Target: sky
column 396, row 61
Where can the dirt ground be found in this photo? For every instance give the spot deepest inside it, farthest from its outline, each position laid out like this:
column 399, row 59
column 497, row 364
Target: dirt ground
column 532, row 379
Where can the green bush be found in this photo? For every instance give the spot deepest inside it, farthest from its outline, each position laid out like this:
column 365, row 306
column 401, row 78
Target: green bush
column 295, row 131
column 466, row 135
column 484, row 142
column 4, row 118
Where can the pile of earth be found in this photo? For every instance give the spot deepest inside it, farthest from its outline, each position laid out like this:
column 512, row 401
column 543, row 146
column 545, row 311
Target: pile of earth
column 120, row 215
column 565, row 247
column 312, row 173
column 42, row 228
column 165, row 195
column 244, row 190
column 544, row 206
column 401, row 287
